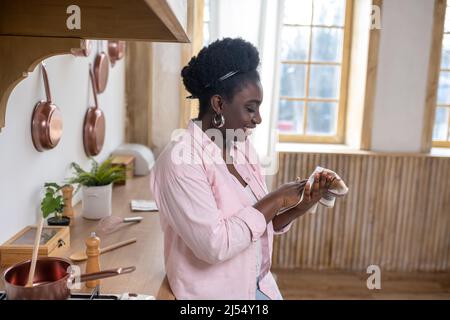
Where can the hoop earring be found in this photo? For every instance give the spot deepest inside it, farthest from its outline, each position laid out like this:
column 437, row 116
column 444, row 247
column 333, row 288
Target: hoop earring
column 218, row 123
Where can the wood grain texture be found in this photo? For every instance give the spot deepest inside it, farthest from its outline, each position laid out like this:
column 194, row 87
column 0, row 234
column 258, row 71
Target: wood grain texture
column 143, row 20
column 299, row 284
column 371, row 79
column 396, row 214
column 138, row 86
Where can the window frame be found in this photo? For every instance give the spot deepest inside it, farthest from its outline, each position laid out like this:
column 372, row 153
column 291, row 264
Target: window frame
column 438, row 46
column 343, row 90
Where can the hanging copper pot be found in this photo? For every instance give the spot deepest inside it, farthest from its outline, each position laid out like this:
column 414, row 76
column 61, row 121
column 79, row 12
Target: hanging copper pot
column 46, row 122
column 116, row 51
column 85, row 51
column 94, row 125
column 101, row 71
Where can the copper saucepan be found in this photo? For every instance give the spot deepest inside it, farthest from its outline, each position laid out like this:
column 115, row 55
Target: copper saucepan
column 46, row 122
column 94, row 125
column 51, row 279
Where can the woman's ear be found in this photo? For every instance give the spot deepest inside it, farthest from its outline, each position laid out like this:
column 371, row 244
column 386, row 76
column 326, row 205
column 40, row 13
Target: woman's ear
column 217, row 103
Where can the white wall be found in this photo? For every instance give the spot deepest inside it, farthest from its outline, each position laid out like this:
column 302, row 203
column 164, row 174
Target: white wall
column 23, row 170
column 405, row 43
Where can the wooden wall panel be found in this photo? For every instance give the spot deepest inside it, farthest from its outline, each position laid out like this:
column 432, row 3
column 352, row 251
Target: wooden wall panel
column 396, row 215
column 138, row 84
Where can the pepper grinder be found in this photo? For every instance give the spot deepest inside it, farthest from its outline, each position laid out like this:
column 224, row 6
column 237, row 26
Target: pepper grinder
column 67, row 191
column 93, row 261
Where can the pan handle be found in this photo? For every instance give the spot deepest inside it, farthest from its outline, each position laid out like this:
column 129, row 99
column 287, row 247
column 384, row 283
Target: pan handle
column 91, row 74
column 106, row 273
column 46, row 85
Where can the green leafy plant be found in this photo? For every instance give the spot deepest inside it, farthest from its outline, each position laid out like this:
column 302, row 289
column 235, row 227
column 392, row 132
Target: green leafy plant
column 53, row 201
column 101, row 174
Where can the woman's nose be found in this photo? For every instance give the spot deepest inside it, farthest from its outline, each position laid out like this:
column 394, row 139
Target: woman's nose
column 257, row 119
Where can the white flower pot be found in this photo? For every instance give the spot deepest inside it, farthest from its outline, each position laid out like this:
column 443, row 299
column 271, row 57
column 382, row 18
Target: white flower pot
column 96, row 202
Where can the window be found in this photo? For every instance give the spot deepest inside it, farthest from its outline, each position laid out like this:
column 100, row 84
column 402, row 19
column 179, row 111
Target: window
column 441, row 130
column 313, row 68
column 206, row 23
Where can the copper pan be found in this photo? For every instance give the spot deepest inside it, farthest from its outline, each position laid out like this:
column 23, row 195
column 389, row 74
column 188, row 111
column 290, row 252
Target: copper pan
column 116, row 51
column 52, row 279
column 85, row 51
column 94, row 125
column 101, row 71
column 46, row 121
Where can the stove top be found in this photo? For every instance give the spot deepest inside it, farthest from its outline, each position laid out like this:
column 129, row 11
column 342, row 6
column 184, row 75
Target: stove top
column 96, row 295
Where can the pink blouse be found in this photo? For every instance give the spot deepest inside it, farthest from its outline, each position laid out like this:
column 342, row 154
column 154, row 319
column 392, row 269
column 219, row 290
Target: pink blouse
column 210, row 227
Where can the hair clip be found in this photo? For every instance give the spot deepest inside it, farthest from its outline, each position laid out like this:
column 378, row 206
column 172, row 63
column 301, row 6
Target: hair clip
column 229, row 74
column 224, row 77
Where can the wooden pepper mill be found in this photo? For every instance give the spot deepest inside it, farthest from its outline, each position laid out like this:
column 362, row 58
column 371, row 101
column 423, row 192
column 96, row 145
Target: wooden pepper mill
column 93, row 261
column 67, row 191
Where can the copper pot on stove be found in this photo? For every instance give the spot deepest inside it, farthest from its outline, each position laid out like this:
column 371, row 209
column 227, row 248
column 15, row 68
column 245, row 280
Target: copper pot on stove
column 52, row 279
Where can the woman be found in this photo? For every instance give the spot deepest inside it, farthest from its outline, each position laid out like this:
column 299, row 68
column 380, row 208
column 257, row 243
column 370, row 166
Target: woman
column 216, row 213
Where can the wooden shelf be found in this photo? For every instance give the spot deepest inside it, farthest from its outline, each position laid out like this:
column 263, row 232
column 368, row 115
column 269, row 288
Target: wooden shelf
column 31, row 31
column 145, row 20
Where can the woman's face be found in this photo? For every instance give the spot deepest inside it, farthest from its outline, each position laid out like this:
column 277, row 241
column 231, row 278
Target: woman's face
column 243, row 111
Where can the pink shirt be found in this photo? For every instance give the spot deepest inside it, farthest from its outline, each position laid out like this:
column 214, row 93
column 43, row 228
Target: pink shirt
column 210, row 227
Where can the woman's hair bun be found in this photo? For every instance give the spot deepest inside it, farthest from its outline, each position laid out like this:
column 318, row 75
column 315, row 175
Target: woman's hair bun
column 216, row 60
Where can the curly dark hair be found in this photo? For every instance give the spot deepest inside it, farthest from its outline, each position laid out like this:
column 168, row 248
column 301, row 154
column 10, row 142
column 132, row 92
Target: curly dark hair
column 201, row 76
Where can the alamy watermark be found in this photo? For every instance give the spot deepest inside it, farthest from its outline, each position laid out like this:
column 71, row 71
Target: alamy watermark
column 73, row 21
column 207, row 148
column 375, row 17
column 374, row 280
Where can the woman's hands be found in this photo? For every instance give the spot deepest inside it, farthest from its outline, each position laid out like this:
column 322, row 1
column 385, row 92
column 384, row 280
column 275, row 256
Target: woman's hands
column 290, row 193
column 287, row 195
column 312, row 194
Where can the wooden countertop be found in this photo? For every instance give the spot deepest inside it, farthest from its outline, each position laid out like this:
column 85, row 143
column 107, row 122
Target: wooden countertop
column 146, row 254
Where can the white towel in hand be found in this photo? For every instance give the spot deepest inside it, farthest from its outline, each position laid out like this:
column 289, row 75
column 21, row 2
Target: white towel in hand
column 338, row 189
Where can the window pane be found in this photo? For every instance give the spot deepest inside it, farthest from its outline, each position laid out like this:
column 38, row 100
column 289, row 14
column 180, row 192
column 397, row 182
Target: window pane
column 322, row 118
column 206, row 11
column 205, row 34
column 440, row 130
column 447, row 20
column 327, row 45
column 329, row 12
column 293, row 80
column 445, row 60
column 297, row 12
column 290, row 116
column 295, row 43
column 444, row 88
column 324, row 81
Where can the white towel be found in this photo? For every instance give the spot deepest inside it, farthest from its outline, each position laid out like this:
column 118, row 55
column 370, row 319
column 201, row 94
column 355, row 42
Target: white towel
column 338, row 189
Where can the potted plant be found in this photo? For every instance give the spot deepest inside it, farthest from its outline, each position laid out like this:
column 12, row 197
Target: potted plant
column 96, row 187
column 53, row 203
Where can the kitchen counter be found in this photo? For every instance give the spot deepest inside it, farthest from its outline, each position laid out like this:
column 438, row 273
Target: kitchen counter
column 146, row 254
